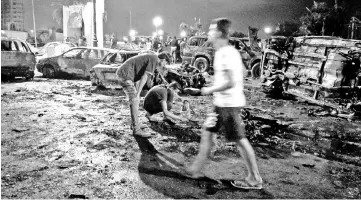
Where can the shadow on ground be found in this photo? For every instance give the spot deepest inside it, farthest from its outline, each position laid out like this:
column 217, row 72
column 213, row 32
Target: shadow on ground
column 166, row 175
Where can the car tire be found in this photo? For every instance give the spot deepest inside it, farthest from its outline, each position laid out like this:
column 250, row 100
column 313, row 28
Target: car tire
column 201, row 64
column 49, row 72
column 256, row 71
column 29, row 76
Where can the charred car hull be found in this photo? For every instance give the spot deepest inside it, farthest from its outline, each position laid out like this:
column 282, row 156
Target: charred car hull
column 16, row 59
column 321, row 66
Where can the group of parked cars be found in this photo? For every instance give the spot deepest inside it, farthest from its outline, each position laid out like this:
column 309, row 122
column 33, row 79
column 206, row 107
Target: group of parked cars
column 66, row 60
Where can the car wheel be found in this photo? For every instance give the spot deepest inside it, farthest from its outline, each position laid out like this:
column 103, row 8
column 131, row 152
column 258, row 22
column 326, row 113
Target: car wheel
column 48, row 72
column 201, row 64
column 256, row 70
column 29, row 76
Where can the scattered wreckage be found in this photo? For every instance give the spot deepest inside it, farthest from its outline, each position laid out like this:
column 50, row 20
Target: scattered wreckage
column 190, row 78
column 321, row 69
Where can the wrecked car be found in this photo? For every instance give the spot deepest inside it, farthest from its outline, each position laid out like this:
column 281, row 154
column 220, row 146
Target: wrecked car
column 103, row 74
column 17, row 59
column 74, row 63
column 200, row 53
column 317, row 67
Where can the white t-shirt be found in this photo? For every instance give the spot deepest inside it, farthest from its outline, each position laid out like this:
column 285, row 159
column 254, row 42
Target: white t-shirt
column 228, row 58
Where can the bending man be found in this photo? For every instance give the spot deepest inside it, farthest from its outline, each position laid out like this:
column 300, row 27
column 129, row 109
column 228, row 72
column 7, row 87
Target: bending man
column 133, row 75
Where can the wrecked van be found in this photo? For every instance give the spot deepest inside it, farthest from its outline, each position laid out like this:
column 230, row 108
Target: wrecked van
column 17, row 59
column 317, row 67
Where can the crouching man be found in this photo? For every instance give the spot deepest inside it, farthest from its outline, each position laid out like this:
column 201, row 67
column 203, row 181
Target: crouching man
column 160, row 99
column 133, row 75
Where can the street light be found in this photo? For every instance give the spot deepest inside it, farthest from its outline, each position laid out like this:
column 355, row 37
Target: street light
column 183, row 34
column 132, row 32
column 160, row 32
column 157, row 21
column 268, row 30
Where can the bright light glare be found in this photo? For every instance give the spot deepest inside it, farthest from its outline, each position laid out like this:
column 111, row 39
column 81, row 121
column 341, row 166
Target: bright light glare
column 132, row 33
column 268, row 30
column 157, row 21
column 183, row 34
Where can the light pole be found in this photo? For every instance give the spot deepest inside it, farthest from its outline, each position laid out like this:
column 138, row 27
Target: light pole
column 157, row 21
column 36, row 43
column 95, row 41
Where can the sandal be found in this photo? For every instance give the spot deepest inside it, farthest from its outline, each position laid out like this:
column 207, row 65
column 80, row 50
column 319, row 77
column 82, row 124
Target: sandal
column 244, row 184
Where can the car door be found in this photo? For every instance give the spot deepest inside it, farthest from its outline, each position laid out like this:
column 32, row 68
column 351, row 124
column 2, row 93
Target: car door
column 91, row 58
column 69, row 61
column 240, row 46
column 191, row 47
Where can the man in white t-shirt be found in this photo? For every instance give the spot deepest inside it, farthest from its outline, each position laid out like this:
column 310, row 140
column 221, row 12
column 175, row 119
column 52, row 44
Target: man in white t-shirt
column 228, row 101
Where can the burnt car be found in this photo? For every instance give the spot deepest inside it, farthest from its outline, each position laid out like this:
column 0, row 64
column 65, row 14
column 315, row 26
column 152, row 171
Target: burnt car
column 17, row 59
column 314, row 67
column 74, row 63
column 103, row 74
column 200, row 53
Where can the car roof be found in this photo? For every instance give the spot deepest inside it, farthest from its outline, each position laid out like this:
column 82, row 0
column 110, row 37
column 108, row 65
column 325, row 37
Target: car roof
column 125, row 51
column 95, row 48
column 12, row 38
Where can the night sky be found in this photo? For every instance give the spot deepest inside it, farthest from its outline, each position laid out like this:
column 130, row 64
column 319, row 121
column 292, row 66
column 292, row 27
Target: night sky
column 243, row 13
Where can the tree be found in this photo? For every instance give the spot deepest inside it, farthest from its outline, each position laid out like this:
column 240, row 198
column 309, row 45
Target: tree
column 323, row 19
column 313, row 21
column 192, row 30
column 287, row 28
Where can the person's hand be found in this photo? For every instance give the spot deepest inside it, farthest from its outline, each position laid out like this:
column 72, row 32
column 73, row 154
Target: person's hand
column 184, row 119
column 211, row 120
column 206, row 91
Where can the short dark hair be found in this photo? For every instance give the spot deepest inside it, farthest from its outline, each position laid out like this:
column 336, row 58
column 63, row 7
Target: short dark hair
column 164, row 55
column 223, row 25
column 175, row 85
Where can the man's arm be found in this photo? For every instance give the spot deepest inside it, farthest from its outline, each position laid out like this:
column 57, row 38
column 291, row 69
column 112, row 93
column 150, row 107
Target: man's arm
column 227, row 85
column 169, row 114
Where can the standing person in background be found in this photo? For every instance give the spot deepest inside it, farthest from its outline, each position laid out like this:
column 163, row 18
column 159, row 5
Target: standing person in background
column 148, row 44
column 228, row 100
column 173, row 48
column 182, row 45
column 113, row 41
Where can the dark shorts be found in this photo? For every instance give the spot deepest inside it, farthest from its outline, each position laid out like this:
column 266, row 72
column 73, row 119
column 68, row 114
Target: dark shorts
column 229, row 122
column 155, row 107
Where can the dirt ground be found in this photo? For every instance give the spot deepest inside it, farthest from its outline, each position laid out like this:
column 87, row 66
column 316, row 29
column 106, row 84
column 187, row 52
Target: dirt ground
column 64, row 139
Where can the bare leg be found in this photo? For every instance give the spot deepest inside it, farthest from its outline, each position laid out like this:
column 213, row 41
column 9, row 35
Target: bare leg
column 204, row 151
column 249, row 156
column 140, row 84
